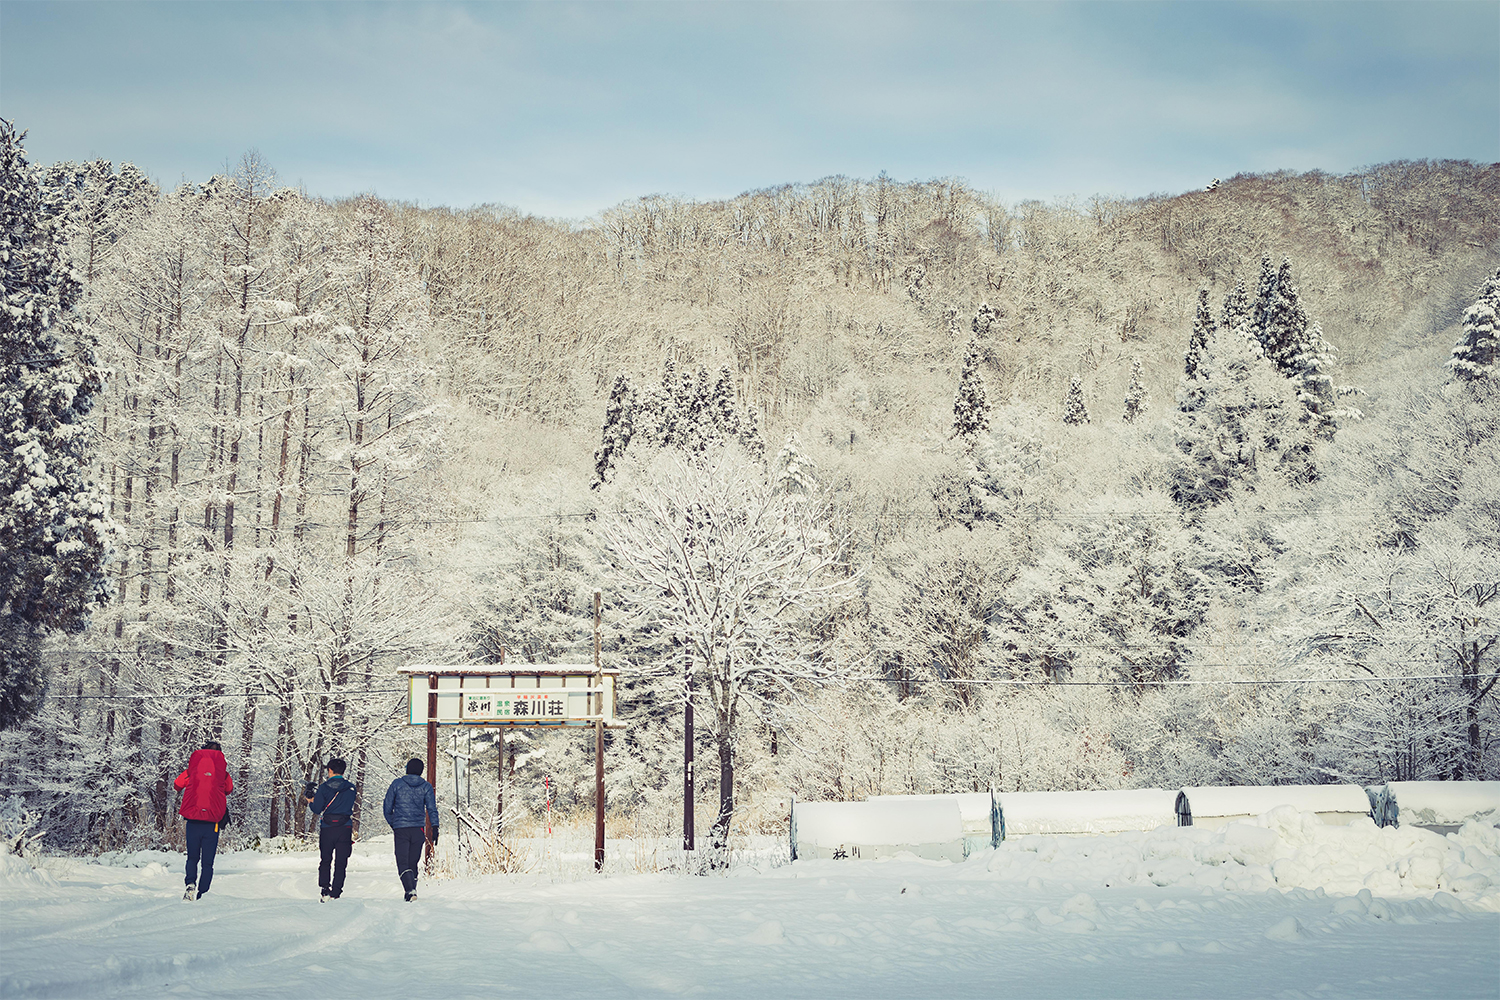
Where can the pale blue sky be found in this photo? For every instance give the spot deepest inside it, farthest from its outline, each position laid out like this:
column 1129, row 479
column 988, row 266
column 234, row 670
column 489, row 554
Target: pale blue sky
column 567, row 109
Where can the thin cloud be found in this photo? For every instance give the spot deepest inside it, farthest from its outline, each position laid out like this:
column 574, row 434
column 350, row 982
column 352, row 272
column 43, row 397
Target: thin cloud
column 566, row 109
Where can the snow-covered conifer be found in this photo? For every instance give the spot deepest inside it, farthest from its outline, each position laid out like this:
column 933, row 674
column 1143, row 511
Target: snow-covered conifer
column 648, row 420
column 1203, row 329
column 1137, row 398
column 1265, row 290
column 92, row 207
column 618, row 428
column 1236, row 307
column 950, row 313
column 1246, row 411
column 970, row 409
column 1283, row 334
column 1315, row 389
column 792, row 472
column 1478, row 350
column 53, row 530
column 669, row 405
column 751, row 437
column 916, row 283
column 724, row 408
column 702, row 427
column 984, row 319
column 1074, row 410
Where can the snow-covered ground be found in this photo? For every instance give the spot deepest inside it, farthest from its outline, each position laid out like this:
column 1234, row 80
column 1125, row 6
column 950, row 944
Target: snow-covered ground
column 1282, row 907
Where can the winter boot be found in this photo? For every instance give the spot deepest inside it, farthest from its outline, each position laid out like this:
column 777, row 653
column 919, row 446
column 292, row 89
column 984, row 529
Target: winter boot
column 191, row 892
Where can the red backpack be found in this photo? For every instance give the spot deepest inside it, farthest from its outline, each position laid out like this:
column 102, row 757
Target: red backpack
column 206, row 784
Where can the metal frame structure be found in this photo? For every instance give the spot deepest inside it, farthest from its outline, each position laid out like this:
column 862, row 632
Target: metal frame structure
column 494, row 697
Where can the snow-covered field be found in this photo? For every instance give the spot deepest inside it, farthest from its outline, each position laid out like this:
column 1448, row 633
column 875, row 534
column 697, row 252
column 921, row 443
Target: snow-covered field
column 1282, row 907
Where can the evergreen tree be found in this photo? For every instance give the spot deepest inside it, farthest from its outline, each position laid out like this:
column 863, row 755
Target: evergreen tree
column 984, row 319
column 750, row 436
column 648, row 419
column 1283, row 335
column 1236, row 307
column 1265, row 290
column 970, row 410
column 1315, row 390
column 793, row 470
column 700, row 428
column 1245, row 424
column 1203, row 329
column 53, row 530
column 668, row 402
column 1137, row 399
column 1477, row 351
column 1074, row 412
column 724, row 408
column 619, row 414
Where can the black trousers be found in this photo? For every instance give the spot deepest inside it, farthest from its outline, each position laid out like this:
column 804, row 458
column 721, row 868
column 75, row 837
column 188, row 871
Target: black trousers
column 334, row 845
column 409, row 841
column 202, row 842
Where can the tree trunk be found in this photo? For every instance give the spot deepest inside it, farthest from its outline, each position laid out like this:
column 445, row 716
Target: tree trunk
column 719, row 836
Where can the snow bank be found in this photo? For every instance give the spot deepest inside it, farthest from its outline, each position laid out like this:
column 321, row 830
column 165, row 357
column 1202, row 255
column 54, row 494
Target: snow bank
column 1023, row 813
column 930, row 827
column 16, row 872
column 1283, row 849
column 1213, row 806
column 1441, row 803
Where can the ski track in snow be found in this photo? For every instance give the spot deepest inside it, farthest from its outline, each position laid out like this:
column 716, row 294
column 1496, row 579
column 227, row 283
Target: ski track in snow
column 903, row 927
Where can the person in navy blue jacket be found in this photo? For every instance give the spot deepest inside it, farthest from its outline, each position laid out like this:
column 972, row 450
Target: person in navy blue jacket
column 409, row 806
column 334, row 800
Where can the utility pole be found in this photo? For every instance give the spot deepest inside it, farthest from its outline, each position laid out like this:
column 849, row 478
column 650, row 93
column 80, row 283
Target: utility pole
column 598, row 744
column 687, row 759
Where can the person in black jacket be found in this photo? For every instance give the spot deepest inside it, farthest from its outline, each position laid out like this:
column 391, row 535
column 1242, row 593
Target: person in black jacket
column 409, row 805
column 334, row 800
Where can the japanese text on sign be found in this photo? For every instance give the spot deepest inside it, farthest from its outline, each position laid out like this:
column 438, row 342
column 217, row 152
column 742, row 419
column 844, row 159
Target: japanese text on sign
column 539, row 705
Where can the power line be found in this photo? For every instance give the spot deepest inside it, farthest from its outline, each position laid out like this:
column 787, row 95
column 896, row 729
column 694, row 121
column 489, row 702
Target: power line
column 994, row 681
column 198, row 696
column 1012, row 682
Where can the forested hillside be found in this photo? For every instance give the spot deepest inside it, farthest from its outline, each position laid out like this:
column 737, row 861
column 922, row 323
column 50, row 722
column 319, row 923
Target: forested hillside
column 1175, row 490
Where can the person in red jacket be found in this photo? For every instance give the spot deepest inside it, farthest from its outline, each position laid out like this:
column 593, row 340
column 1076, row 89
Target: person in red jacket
column 205, row 787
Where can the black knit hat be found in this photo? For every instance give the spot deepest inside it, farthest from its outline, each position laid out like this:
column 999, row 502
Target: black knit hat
column 414, row 766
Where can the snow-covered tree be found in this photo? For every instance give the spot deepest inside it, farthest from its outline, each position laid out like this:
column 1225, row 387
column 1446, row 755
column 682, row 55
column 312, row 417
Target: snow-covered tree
column 1236, row 310
column 725, row 408
column 1137, row 397
column 1283, row 326
column 1203, row 329
column 1389, row 614
column 1315, row 389
column 1478, row 350
column 619, row 415
column 1265, row 292
column 53, row 528
column 1246, row 417
column 750, row 436
column 710, row 556
column 931, row 604
column 1074, row 410
column 970, row 410
column 92, row 207
column 1116, row 592
column 985, row 319
column 793, row 472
